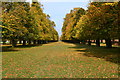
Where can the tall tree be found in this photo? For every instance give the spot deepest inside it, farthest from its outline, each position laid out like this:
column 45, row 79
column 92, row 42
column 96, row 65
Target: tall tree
column 25, row 23
column 70, row 22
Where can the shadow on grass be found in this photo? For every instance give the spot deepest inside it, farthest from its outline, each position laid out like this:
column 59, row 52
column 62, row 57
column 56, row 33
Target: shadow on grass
column 108, row 54
column 8, row 50
column 28, row 46
column 12, row 49
column 81, row 50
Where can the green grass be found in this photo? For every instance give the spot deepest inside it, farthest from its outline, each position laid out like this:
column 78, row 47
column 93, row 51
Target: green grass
column 60, row 60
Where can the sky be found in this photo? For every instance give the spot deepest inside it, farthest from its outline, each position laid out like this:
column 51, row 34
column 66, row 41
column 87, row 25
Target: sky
column 57, row 9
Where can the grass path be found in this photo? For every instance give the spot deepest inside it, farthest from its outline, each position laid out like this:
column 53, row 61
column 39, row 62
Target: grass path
column 58, row 60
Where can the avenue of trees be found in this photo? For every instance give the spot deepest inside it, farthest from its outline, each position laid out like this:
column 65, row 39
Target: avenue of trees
column 101, row 21
column 26, row 24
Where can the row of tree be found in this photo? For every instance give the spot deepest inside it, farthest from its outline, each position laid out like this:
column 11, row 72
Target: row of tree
column 26, row 23
column 100, row 21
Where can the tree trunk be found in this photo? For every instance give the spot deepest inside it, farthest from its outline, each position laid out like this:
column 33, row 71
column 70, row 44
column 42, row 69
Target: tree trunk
column 14, row 42
column 98, row 42
column 38, row 41
column 108, row 43
column 43, row 41
column 34, row 42
column 10, row 41
column 20, row 41
column 84, row 42
column 113, row 41
column 119, row 42
column 101, row 41
column 29, row 42
column 89, row 42
column 24, row 42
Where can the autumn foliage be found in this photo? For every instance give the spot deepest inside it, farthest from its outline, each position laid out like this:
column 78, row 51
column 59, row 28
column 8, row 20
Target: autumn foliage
column 22, row 22
column 99, row 22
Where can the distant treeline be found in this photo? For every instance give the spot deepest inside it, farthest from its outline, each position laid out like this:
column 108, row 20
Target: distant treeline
column 27, row 24
column 101, row 21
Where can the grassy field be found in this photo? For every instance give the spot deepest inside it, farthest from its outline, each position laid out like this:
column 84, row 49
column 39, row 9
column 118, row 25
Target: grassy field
column 60, row 60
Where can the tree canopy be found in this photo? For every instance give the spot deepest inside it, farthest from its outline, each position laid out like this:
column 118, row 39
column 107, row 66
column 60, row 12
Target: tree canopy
column 100, row 21
column 22, row 22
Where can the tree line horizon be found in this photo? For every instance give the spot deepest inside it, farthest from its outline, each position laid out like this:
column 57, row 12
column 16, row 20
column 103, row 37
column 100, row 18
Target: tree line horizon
column 28, row 24
column 101, row 21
